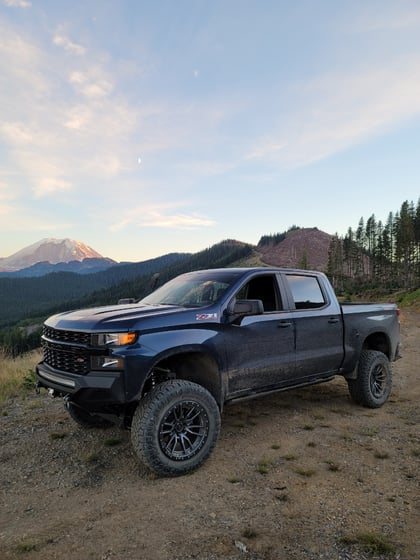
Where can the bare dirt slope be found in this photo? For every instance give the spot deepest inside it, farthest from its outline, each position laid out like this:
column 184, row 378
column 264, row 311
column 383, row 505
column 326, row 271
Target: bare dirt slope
column 298, row 475
column 311, row 244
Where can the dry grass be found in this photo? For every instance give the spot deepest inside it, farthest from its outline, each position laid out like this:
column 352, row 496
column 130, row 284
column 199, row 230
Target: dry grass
column 374, row 543
column 16, row 374
column 264, row 465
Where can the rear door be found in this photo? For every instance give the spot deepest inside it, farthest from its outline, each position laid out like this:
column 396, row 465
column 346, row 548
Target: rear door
column 319, row 327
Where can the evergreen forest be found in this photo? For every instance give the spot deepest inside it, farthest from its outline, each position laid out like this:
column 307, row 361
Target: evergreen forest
column 384, row 256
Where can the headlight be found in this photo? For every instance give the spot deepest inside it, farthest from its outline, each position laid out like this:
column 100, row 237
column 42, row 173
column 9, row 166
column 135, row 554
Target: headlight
column 114, row 339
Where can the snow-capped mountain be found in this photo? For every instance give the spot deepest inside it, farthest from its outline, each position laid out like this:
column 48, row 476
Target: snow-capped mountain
column 50, row 251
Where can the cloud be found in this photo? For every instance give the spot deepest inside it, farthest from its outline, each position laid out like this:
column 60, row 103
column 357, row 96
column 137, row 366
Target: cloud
column 73, row 48
column 48, row 185
column 162, row 216
column 17, row 3
column 92, row 85
column 16, row 133
column 337, row 111
column 22, row 69
column 77, row 117
column 176, row 221
column 6, row 194
column 56, row 138
column 75, row 128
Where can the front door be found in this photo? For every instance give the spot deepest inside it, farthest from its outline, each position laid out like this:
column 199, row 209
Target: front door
column 260, row 353
column 260, row 350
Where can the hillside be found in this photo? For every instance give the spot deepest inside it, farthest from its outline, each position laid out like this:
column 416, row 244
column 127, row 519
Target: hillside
column 301, row 248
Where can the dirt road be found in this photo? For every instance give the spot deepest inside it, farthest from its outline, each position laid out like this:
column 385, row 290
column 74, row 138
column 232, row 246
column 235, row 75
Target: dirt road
column 299, row 475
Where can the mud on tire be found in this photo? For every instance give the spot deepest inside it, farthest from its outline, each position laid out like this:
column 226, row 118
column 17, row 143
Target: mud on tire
column 175, row 427
column 374, row 380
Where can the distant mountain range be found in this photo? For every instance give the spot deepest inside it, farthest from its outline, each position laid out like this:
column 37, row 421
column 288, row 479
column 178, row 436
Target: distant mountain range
column 293, row 248
column 45, row 287
column 28, row 299
column 53, row 255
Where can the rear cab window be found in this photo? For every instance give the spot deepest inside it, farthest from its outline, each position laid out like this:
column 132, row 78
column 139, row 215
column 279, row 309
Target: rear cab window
column 306, row 291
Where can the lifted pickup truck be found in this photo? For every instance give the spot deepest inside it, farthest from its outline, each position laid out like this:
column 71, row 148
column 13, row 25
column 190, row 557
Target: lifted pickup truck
column 166, row 365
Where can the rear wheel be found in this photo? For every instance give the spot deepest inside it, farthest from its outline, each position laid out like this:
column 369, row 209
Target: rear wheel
column 175, row 427
column 84, row 418
column 374, row 380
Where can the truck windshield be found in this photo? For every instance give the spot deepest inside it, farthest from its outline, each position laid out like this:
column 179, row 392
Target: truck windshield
column 192, row 290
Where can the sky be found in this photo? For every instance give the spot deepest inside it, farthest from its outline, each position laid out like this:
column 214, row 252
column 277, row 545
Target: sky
column 144, row 128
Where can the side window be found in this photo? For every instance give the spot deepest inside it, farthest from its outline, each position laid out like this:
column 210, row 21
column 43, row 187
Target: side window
column 264, row 288
column 306, row 291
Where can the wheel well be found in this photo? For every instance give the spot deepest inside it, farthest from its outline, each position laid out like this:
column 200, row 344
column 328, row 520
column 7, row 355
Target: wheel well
column 197, row 367
column 377, row 341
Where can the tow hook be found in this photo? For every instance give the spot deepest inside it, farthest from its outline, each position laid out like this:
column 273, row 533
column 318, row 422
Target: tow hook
column 50, row 392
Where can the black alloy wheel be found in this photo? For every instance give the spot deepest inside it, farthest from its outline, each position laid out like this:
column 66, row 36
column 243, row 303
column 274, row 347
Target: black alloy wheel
column 373, row 384
column 175, row 427
column 183, row 430
column 378, row 378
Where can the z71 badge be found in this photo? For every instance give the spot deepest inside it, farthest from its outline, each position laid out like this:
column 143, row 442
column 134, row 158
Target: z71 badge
column 205, row 316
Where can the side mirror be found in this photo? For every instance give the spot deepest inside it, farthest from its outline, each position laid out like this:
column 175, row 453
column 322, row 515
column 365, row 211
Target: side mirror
column 125, row 301
column 245, row 308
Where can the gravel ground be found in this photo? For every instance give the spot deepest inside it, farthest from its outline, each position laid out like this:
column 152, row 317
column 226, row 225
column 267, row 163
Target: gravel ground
column 299, row 475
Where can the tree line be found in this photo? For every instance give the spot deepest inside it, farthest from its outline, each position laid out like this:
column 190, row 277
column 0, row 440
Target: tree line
column 380, row 255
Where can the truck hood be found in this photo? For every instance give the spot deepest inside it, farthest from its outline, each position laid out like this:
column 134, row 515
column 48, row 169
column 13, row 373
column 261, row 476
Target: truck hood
column 116, row 317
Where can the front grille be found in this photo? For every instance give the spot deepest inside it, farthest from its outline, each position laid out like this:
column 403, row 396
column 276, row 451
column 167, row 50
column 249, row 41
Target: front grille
column 70, row 362
column 61, row 355
column 74, row 337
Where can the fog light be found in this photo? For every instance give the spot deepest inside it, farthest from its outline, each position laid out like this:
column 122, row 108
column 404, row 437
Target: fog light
column 107, row 362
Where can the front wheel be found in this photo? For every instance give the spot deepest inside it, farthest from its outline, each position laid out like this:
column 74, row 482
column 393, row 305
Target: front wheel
column 175, row 427
column 374, row 380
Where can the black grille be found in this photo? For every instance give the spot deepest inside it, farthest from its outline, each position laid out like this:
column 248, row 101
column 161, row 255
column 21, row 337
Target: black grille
column 74, row 337
column 72, row 362
column 60, row 354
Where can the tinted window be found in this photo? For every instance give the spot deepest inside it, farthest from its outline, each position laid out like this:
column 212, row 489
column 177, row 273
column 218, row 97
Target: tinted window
column 306, row 291
column 264, row 288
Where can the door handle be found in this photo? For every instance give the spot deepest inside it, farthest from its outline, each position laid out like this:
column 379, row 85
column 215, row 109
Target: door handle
column 333, row 320
column 284, row 324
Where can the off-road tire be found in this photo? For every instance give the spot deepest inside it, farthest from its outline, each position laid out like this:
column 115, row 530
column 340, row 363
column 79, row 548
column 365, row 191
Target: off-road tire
column 175, row 427
column 374, row 380
column 85, row 419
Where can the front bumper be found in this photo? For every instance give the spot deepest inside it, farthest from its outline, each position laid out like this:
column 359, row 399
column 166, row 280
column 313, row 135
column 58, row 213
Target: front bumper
column 95, row 387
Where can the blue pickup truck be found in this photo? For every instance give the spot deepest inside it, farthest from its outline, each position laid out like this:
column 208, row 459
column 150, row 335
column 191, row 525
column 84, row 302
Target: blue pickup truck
column 166, row 365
